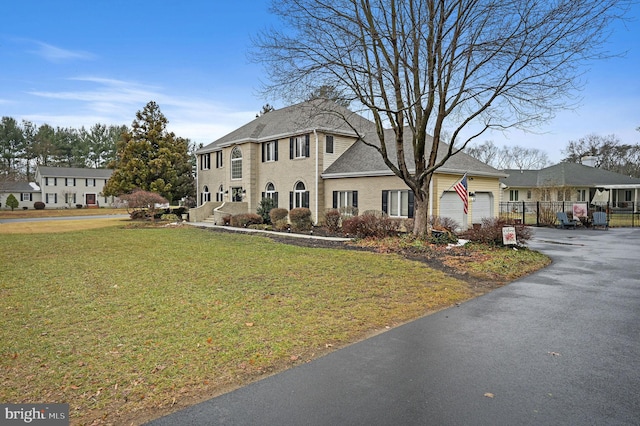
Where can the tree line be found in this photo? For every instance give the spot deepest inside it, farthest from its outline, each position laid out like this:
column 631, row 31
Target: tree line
column 23, row 145
column 610, row 152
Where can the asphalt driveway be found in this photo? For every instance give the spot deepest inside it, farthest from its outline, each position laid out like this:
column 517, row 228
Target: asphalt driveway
column 560, row 347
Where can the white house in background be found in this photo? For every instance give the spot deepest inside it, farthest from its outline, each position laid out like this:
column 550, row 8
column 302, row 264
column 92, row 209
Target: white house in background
column 26, row 193
column 62, row 187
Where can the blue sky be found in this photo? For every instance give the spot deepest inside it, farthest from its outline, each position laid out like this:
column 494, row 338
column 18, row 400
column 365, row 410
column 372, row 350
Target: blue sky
column 74, row 63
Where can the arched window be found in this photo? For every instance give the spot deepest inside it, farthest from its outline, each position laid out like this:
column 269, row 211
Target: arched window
column 220, row 194
column 299, row 197
column 270, row 192
column 236, row 163
column 205, row 195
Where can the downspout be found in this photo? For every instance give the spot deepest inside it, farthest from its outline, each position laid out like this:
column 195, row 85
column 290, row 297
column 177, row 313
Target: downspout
column 431, row 197
column 315, row 132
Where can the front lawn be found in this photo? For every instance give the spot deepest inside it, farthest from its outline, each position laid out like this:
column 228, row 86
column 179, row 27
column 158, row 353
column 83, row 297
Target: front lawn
column 129, row 324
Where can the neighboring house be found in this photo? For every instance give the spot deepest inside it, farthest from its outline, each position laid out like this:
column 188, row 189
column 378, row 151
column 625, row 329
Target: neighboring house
column 68, row 186
column 26, row 193
column 571, row 182
column 304, row 156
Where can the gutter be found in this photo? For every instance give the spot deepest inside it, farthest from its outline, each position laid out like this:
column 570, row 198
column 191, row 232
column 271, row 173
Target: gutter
column 315, row 132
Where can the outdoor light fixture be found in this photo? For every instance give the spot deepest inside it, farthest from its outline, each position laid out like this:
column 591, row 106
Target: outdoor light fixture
column 472, row 196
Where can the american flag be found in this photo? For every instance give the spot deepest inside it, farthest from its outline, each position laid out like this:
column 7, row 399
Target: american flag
column 461, row 189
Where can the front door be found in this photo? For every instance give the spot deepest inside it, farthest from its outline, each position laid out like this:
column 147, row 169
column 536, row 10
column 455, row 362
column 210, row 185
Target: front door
column 91, row 199
column 236, row 194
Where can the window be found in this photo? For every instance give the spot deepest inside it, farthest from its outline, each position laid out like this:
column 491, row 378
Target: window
column 270, row 192
column 69, row 181
column 299, row 147
column 329, row 144
column 627, row 195
column 299, row 197
column 346, row 202
column 560, row 195
column 69, row 198
column 270, row 151
column 236, row 163
column 50, row 181
column 90, row 182
column 26, row 196
column 205, row 195
column 528, row 194
column 398, row 203
column 51, row 198
column 205, row 161
column 220, row 194
column 218, row 159
column 582, row 195
column 513, row 195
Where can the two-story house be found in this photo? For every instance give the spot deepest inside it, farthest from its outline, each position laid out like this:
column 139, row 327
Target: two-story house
column 314, row 155
column 67, row 186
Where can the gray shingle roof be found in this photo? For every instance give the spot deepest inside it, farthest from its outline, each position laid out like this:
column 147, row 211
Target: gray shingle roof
column 74, row 172
column 363, row 160
column 326, row 116
column 18, row 187
column 567, row 174
column 319, row 115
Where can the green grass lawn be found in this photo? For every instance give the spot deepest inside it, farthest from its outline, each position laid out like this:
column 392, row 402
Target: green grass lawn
column 127, row 324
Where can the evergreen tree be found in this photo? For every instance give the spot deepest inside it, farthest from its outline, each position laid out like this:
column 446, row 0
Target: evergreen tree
column 151, row 159
column 12, row 202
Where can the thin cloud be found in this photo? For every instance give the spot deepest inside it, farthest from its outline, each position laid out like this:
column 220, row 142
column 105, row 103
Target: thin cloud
column 57, row 54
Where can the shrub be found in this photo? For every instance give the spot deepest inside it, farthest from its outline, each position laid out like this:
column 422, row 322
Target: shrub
column 245, row 219
column 265, row 206
column 369, row 225
column 12, row 201
column 490, row 232
column 226, row 220
column 332, row 220
column 300, row 219
column 281, row 225
column 143, row 200
column 443, row 223
column 139, row 215
column 170, row 217
column 277, row 214
column 38, row 205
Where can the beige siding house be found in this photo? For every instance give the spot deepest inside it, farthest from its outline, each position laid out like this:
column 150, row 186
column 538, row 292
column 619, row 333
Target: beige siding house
column 304, row 156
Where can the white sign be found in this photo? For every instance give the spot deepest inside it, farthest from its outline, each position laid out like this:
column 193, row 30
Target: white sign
column 509, row 235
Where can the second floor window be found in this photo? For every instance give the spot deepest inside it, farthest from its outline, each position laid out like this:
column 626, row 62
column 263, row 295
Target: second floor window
column 205, row 161
column 299, row 147
column 236, row 163
column 329, row 144
column 218, row 159
column 270, row 151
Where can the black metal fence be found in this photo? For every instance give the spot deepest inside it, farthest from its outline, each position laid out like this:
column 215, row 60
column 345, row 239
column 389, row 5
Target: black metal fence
column 543, row 213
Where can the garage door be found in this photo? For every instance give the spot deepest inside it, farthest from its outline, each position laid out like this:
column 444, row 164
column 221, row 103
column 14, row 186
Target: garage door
column 451, row 206
column 482, row 207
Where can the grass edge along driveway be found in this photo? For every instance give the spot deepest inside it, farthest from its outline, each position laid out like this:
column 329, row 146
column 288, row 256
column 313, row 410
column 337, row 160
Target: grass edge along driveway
column 128, row 324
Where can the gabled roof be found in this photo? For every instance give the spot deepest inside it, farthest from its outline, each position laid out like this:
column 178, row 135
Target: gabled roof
column 566, row 174
column 319, row 115
column 74, row 172
column 19, row 187
column 364, row 160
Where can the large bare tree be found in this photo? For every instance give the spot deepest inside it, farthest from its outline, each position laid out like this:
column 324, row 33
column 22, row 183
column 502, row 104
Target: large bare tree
column 439, row 67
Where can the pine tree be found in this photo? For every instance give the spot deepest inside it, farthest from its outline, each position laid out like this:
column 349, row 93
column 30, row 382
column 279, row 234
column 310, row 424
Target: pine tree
column 151, row 159
column 12, row 202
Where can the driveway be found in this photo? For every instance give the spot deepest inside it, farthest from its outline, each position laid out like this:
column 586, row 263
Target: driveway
column 559, row 347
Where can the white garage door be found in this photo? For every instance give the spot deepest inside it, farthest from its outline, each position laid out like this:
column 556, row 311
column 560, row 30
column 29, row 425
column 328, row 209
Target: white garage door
column 451, row 206
column 482, row 207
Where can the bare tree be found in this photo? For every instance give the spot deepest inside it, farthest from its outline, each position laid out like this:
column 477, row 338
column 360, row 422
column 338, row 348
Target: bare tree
column 610, row 153
column 427, row 66
column 508, row 157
